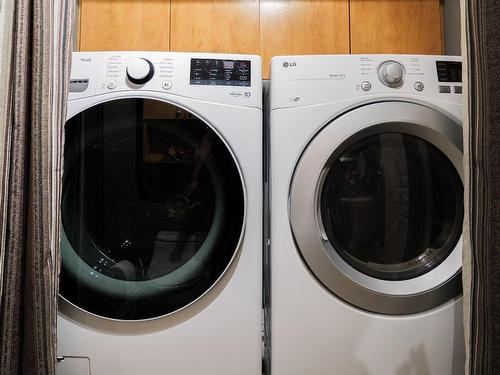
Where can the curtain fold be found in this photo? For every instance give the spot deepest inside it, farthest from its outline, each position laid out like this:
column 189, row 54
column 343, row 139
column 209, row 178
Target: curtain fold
column 481, row 23
column 39, row 71
column 466, row 257
column 6, row 19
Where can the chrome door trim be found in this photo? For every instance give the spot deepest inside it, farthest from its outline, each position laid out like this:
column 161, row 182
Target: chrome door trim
column 382, row 296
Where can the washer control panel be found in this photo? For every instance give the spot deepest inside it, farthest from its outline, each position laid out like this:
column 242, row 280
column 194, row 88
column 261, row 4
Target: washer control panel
column 307, row 80
column 220, row 72
column 220, row 78
column 139, row 70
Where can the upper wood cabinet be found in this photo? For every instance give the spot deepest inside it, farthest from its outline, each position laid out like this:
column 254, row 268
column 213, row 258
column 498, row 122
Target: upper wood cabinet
column 265, row 27
column 113, row 25
column 396, row 26
column 230, row 26
column 297, row 27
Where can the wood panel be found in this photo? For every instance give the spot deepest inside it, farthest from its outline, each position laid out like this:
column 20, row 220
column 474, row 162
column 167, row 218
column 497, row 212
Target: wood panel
column 396, row 26
column 291, row 27
column 230, row 26
column 114, row 25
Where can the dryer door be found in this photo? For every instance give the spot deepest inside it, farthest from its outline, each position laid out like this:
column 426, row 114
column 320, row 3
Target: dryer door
column 376, row 207
column 153, row 209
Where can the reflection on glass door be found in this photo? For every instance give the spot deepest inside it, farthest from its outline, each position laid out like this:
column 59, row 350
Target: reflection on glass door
column 152, row 209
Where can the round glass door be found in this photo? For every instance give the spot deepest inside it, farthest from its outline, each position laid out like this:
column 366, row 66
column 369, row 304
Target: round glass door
column 376, row 207
column 392, row 206
column 152, row 209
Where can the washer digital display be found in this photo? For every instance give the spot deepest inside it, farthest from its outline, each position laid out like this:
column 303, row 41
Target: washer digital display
column 215, row 72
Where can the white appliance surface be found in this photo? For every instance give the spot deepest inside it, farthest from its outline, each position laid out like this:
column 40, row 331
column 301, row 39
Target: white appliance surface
column 314, row 331
column 220, row 332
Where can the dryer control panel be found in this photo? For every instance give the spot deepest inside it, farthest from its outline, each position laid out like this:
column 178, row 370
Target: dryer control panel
column 308, row 80
column 219, row 78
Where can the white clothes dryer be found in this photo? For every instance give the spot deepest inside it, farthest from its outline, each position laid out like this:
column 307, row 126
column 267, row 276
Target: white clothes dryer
column 366, row 200
column 162, row 215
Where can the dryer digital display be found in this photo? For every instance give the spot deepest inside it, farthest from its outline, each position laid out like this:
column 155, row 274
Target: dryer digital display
column 449, row 71
column 220, row 72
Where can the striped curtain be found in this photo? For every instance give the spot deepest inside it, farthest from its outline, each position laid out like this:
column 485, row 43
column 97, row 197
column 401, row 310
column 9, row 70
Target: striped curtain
column 6, row 19
column 31, row 145
column 481, row 44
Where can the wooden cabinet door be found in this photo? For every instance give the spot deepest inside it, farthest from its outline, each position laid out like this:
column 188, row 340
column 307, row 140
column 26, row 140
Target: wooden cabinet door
column 396, row 26
column 265, row 27
column 229, row 26
column 115, row 25
column 298, row 27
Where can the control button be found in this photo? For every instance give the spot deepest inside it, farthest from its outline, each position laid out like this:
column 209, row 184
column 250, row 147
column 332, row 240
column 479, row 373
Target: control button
column 140, row 71
column 419, row 86
column 444, row 89
column 457, row 89
column 167, row 85
column 111, row 84
column 391, row 73
column 366, row 86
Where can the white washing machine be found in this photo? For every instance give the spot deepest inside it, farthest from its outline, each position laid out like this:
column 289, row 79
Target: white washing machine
column 162, row 215
column 366, row 186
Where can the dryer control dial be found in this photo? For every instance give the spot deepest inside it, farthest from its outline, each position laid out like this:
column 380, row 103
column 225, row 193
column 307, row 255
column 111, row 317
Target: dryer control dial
column 140, row 71
column 391, row 73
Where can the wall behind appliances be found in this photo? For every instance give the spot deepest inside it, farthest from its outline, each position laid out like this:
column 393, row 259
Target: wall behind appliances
column 268, row 27
column 452, row 31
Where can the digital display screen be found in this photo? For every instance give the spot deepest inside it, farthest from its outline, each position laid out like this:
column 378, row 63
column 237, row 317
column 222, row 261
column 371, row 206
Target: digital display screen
column 449, row 71
column 220, row 72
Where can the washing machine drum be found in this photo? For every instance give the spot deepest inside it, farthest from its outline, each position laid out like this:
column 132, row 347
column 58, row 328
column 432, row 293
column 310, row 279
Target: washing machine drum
column 152, row 209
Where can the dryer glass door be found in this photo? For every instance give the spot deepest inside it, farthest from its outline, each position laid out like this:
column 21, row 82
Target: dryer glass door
column 376, row 207
column 152, row 210
column 391, row 206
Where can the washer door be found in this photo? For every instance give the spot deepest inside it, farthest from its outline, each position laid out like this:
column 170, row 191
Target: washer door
column 376, row 207
column 153, row 209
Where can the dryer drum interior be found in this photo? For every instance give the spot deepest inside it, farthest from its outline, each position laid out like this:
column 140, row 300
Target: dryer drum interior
column 391, row 205
column 152, row 209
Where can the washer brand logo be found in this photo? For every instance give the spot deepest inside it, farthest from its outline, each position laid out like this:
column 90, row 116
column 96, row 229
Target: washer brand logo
column 85, row 60
column 337, row 75
column 286, row 64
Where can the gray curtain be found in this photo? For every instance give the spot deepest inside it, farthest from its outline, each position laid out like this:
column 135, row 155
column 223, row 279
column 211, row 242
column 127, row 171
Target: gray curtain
column 481, row 23
column 31, row 166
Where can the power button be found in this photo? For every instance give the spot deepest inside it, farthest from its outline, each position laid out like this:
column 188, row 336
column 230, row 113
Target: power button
column 167, row 85
column 419, row 86
column 366, row 86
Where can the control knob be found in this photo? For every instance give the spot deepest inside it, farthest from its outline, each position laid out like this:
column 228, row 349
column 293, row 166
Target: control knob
column 140, row 71
column 391, row 73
